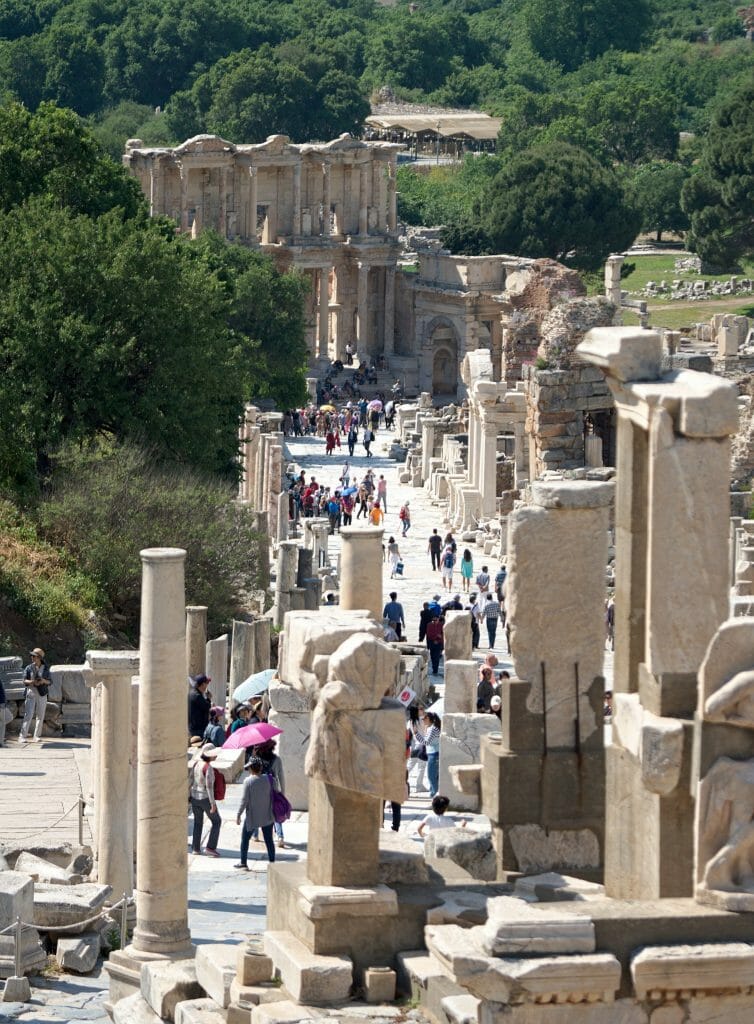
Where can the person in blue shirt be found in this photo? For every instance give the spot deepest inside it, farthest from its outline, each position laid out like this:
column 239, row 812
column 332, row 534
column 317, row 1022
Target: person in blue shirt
column 393, row 613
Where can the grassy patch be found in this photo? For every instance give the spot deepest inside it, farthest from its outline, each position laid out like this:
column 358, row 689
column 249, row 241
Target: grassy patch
column 662, row 268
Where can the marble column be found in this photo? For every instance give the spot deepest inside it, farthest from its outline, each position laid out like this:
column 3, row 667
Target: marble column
column 162, row 863
column 389, row 342
column 196, row 639
column 115, row 863
column 392, row 200
column 364, row 199
column 296, row 225
column 216, row 659
column 95, row 773
column 361, row 569
column 362, row 300
column 253, row 203
column 326, row 200
column 488, row 465
column 152, row 189
column 222, row 215
column 241, row 653
column 323, row 317
column 184, row 172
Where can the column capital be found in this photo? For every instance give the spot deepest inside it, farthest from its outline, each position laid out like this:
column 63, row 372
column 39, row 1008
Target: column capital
column 109, row 664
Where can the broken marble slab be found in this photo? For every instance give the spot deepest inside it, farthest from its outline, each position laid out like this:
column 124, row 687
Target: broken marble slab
column 318, row 902
column 551, row 886
column 41, row 870
column 578, row 977
column 472, row 851
column 714, row 965
column 516, row 928
column 56, row 905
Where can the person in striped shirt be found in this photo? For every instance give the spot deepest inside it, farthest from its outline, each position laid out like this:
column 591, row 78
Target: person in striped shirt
column 493, row 614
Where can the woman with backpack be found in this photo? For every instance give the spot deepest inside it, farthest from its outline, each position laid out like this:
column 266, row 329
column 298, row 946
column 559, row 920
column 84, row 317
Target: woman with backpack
column 256, row 810
column 204, row 801
column 272, row 765
column 446, row 566
column 367, row 441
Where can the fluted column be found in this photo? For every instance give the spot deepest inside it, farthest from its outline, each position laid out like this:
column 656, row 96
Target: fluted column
column 296, row 226
column 392, row 197
column 362, row 297
column 326, row 199
column 323, row 321
column 389, row 342
column 253, row 202
column 184, row 195
column 162, row 863
column 364, row 199
column 222, row 215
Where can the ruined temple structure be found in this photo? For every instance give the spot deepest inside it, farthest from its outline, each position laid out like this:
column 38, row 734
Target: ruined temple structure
column 327, row 210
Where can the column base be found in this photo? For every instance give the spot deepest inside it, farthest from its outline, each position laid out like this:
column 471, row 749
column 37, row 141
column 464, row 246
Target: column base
column 124, row 970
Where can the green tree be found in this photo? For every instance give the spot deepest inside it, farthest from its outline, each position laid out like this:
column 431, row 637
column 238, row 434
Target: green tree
column 557, row 201
column 719, row 196
column 656, row 191
column 111, row 326
column 633, row 121
column 265, row 315
column 51, row 152
column 83, row 513
column 573, row 31
column 414, row 50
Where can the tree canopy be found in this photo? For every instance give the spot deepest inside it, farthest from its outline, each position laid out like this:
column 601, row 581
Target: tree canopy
column 555, row 201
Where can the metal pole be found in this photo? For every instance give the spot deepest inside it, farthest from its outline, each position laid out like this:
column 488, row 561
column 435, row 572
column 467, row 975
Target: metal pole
column 18, row 948
column 81, row 821
column 124, row 922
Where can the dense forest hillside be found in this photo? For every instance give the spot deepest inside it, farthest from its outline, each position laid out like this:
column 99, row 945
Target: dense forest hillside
column 245, row 68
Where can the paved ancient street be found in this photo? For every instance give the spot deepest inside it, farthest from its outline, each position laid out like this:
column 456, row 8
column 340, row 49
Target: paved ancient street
column 224, row 904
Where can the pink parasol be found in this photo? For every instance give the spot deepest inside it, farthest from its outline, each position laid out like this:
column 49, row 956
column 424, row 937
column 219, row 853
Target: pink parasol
column 251, row 735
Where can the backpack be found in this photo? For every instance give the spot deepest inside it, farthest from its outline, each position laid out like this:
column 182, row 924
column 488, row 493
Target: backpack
column 220, row 784
column 402, row 514
column 281, row 805
column 448, row 560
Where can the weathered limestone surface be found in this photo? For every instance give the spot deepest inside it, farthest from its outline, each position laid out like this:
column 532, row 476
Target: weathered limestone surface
column 515, row 927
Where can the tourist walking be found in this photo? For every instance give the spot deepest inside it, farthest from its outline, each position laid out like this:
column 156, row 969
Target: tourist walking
column 435, row 643
column 382, row 492
column 434, row 547
column 483, row 581
column 467, row 571
column 431, row 731
column 368, row 437
column 392, row 613
column 37, row 679
column 353, row 436
column 376, row 515
column 215, row 731
column 203, row 801
column 393, row 555
column 272, row 765
column 417, row 755
column 256, row 810
column 492, row 615
column 448, row 562
column 361, row 497
column 405, row 517
column 476, row 613
column 485, row 690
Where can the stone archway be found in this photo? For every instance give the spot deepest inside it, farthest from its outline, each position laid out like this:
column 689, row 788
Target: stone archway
column 444, row 362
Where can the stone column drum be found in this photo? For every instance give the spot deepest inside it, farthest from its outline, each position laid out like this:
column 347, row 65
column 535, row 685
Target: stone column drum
column 162, row 863
column 361, row 569
column 196, row 639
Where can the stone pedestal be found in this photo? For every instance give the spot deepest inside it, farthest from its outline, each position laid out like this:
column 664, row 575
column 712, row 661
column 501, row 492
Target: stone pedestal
column 461, row 679
column 196, row 639
column 241, row 653
column 361, row 569
column 340, row 819
column 113, row 670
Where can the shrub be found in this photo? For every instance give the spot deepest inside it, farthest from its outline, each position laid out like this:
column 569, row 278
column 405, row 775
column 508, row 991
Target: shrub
column 105, row 505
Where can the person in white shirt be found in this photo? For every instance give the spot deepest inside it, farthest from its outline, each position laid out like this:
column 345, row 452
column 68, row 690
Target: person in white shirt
column 437, row 818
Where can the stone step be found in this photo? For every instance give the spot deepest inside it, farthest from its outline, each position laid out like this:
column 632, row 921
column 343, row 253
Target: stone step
column 284, row 1012
column 319, row 980
column 216, row 970
column 134, row 1010
column 165, row 983
column 199, row 1011
column 461, row 1009
column 420, row 973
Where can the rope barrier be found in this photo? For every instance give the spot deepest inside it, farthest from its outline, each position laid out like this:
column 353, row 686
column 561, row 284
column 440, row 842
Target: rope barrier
column 54, row 929
column 47, row 828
